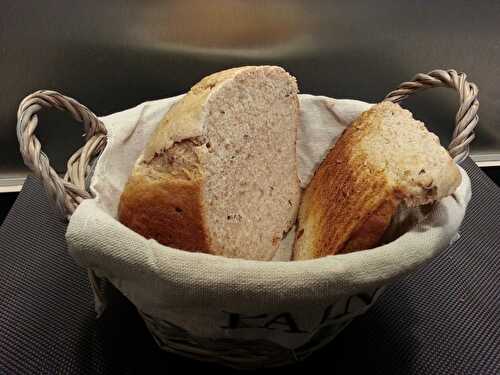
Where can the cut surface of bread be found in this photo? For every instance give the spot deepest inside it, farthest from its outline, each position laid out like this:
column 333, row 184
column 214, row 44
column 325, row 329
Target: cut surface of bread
column 219, row 174
column 383, row 159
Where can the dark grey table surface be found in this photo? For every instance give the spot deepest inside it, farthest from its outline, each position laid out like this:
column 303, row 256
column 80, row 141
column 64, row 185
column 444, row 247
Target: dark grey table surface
column 443, row 319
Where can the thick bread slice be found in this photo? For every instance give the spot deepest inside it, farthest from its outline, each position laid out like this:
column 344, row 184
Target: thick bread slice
column 383, row 159
column 219, row 175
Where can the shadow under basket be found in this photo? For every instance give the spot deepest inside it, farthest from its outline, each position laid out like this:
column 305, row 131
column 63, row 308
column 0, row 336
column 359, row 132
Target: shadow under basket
column 240, row 313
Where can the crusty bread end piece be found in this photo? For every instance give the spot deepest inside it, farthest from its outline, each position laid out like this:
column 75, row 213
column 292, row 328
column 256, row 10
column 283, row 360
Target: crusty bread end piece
column 219, row 175
column 383, row 159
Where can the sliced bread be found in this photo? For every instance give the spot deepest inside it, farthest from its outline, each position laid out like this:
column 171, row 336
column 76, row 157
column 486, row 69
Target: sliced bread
column 382, row 160
column 219, row 174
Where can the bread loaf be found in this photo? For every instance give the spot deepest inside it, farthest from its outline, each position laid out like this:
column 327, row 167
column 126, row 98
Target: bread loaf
column 219, row 174
column 382, row 160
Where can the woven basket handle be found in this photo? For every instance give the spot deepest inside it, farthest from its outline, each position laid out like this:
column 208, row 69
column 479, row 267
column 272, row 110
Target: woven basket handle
column 66, row 192
column 466, row 118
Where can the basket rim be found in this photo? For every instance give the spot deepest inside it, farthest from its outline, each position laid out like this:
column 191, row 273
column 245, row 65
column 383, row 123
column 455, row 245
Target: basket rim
column 189, row 271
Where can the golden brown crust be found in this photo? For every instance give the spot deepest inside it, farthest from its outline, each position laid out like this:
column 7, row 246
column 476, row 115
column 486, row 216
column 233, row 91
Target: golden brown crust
column 343, row 195
column 372, row 230
column 152, row 207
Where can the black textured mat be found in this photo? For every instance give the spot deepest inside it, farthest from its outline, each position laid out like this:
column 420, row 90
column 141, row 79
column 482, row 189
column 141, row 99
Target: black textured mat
column 443, row 319
column 6, row 201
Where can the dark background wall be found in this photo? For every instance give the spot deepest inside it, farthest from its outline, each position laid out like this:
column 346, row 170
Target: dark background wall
column 111, row 55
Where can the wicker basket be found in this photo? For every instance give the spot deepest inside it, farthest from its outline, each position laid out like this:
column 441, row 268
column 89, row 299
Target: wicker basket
column 68, row 191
